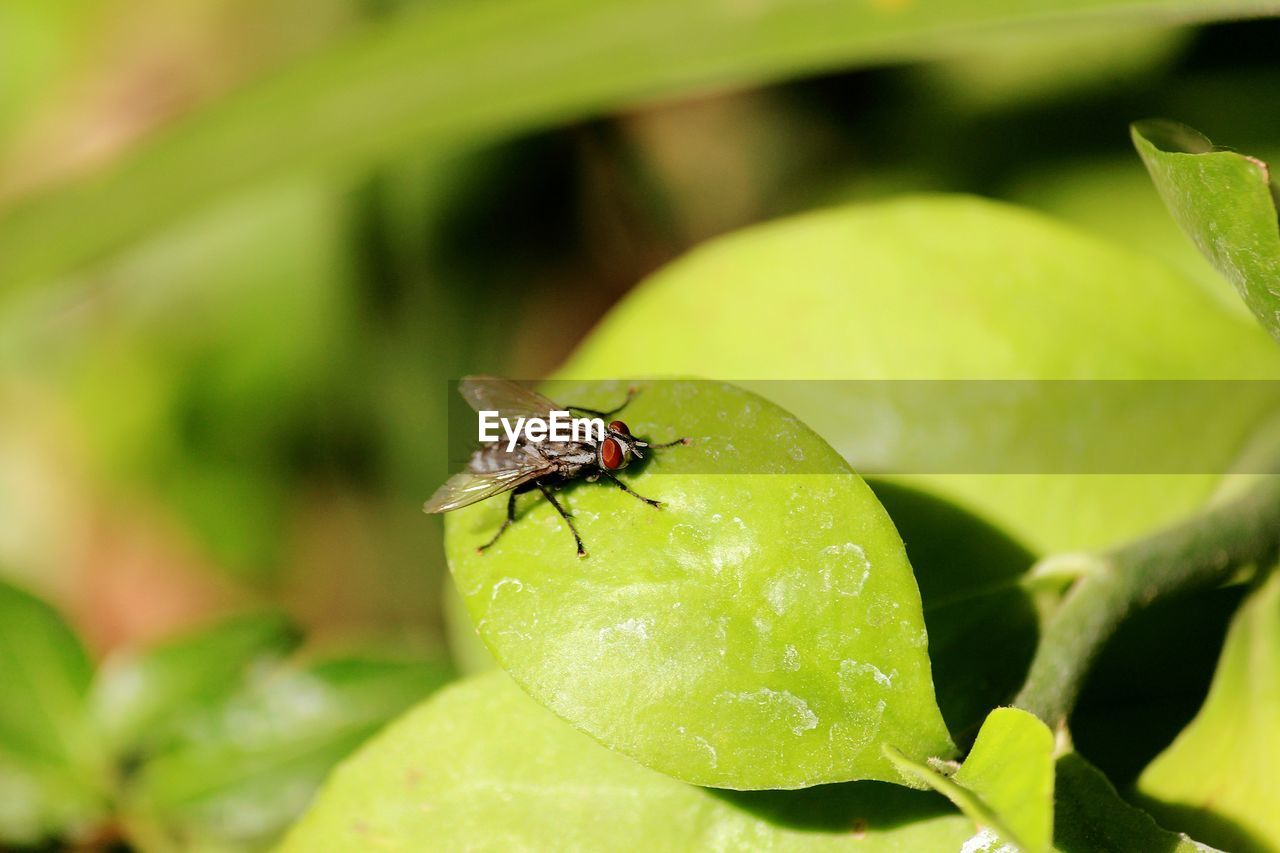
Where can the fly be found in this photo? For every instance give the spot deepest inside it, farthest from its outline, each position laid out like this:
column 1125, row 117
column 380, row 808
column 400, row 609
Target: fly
column 541, row 465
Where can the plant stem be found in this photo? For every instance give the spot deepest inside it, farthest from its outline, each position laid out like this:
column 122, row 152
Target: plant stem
column 1201, row 551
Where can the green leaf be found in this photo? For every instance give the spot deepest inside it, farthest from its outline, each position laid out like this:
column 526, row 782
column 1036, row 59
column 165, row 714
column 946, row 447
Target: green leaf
column 39, row 803
column 947, row 287
column 1005, row 784
column 1047, row 65
column 761, row 630
column 978, row 608
column 466, row 649
column 1090, row 817
column 45, row 673
column 51, row 769
column 1122, row 723
column 950, row 288
column 137, row 696
column 483, row 766
column 1018, row 795
column 1133, row 215
column 458, row 72
column 239, row 772
column 1218, row 778
column 1226, row 204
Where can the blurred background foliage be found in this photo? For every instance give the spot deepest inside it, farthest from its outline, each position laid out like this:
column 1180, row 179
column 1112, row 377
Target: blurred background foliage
column 215, row 400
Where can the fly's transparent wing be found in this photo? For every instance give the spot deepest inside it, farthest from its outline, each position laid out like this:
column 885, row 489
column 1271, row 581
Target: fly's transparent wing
column 468, row 487
column 490, row 393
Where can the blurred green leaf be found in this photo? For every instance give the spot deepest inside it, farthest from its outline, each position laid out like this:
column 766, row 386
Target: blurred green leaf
column 241, row 770
column 1005, row 784
column 51, row 768
column 762, row 630
column 1037, row 67
column 945, row 287
column 482, row 766
column 45, row 673
column 1226, row 204
column 466, row 649
column 40, row 803
column 1218, row 778
column 35, row 41
column 460, row 71
column 1111, row 197
column 1090, row 817
column 138, row 696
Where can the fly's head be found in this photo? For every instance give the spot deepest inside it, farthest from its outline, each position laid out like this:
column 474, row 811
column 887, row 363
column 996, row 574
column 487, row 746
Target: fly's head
column 618, row 448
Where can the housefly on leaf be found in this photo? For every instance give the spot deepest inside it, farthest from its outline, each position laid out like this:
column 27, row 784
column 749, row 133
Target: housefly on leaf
column 525, row 465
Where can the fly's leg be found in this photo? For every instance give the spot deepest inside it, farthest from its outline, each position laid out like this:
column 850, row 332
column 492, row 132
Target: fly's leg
column 669, row 444
column 631, row 392
column 621, row 485
column 511, row 516
column 568, row 519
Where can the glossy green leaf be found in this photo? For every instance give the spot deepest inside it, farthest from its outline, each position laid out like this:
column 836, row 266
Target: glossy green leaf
column 1226, row 204
column 945, row 287
column 138, row 695
column 1090, row 817
column 461, row 71
column 483, row 767
column 240, row 771
column 761, row 630
column 1005, row 784
column 1217, row 780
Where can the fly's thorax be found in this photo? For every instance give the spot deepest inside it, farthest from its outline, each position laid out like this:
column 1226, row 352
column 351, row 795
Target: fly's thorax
column 569, row 453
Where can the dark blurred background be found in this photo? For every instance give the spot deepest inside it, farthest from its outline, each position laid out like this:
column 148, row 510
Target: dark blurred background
column 248, row 405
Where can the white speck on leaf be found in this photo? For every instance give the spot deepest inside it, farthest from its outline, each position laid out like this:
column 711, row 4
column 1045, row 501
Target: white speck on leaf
column 845, row 568
column 634, row 628
column 781, row 703
column 711, row 750
column 851, row 668
column 987, row 841
column 775, row 592
column 519, row 586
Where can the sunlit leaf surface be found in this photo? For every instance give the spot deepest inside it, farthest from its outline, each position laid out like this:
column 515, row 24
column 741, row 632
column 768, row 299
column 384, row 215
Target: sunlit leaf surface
column 761, row 630
column 1217, row 780
column 944, row 287
column 484, row 767
column 1005, row 783
column 1226, row 203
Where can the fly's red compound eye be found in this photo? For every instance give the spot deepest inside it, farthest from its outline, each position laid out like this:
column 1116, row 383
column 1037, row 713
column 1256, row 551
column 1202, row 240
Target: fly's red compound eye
column 619, row 426
column 611, row 454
